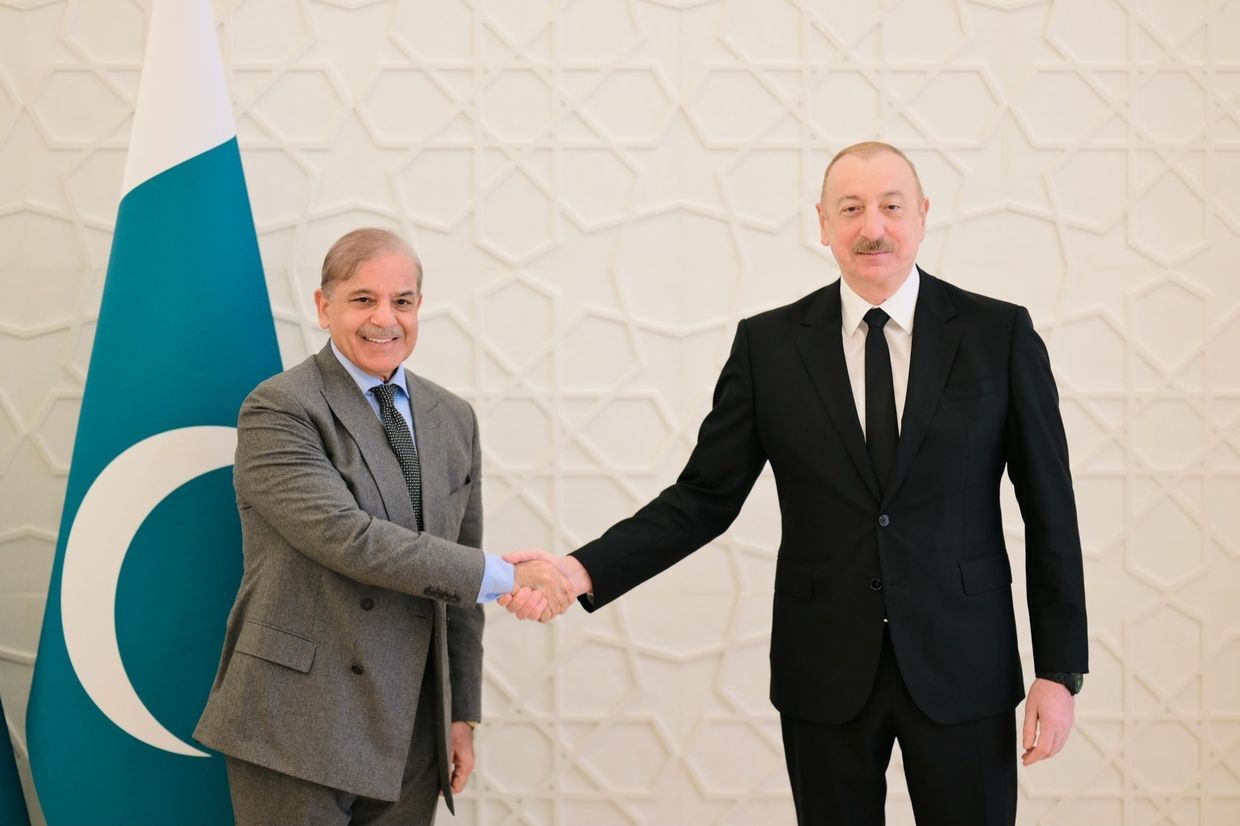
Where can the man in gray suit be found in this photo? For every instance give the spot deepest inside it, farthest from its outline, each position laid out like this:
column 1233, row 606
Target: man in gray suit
column 350, row 679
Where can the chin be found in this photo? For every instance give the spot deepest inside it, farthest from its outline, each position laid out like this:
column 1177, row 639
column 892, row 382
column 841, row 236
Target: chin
column 383, row 371
column 881, row 276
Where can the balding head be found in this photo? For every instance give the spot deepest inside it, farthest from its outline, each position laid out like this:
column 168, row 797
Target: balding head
column 868, row 149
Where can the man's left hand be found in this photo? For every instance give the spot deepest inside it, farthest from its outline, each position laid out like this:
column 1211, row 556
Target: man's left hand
column 1049, row 712
column 462, row 755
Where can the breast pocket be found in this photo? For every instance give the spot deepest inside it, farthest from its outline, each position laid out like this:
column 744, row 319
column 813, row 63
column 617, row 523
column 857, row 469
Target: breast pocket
column 458, row 501
column 970, row 388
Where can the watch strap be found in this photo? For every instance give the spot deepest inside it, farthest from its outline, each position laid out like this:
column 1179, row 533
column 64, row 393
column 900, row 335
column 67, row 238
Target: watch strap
column 1071, row 680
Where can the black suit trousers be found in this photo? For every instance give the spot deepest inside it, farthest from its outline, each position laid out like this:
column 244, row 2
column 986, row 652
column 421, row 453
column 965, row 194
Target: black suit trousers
column 961, row 774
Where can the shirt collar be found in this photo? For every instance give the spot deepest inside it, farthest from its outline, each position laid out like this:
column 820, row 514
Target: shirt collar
column 365, row 381
column 900, row 305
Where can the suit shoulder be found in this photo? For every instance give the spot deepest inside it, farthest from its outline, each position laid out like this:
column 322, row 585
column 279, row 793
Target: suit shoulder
column 788, row 313
column 459, row 406
column 975, row 304
column 297, row 382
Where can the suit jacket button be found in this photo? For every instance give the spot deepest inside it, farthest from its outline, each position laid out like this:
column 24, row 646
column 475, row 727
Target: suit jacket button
column 884, row 521
column 876, row 584
column 357, row 669
column 367, row 604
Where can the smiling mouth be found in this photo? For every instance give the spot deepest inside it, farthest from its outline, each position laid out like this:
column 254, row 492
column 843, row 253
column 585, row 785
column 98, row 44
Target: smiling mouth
column 378, row 340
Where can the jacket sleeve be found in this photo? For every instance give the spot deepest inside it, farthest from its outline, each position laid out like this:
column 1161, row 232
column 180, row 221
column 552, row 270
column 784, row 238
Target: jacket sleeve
column 702, row 503
column 465, row 622
column 283, row 472
column 1037, row 460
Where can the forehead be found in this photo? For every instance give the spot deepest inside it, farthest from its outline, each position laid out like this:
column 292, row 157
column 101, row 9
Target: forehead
column 861, row 176
column 387, row 272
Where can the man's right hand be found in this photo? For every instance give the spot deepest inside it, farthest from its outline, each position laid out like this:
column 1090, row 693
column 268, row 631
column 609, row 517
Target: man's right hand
column 528, row 602
column 541, row 591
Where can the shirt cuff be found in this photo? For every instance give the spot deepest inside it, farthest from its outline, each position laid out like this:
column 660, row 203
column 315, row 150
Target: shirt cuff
column 498, row 578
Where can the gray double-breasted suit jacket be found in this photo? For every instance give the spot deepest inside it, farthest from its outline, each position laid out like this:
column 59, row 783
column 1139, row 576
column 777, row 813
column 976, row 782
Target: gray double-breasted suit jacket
column 344, row 606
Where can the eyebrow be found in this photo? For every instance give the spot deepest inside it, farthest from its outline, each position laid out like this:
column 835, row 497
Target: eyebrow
column 366, row 291
column 888, row 194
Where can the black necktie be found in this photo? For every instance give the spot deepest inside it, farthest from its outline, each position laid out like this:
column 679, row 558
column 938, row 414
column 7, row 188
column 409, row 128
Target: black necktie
column 881, row 431
column 402, row 443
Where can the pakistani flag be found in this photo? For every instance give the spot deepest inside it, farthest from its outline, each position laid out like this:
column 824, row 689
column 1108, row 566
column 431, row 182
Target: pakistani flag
column 12, row 802
column 149, row 552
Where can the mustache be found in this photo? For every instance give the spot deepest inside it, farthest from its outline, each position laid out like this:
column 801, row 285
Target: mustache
column 371, row 331
column 881, row 245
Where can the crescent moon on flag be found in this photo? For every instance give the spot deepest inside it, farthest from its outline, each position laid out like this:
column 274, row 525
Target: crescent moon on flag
column 112, row 511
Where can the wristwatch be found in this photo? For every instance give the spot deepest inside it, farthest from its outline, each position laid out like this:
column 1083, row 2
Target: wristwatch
column 1068, row 679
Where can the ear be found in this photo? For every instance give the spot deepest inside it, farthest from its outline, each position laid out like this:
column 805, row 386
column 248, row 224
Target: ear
column 320, row 304
column 822, row 224
column 925, row 210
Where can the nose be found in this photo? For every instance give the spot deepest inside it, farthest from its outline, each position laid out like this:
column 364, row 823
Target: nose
column 383, row 315
column 873, row 227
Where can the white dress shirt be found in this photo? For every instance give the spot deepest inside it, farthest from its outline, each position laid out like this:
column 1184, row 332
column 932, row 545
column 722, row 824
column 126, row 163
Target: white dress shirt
column 899, row 331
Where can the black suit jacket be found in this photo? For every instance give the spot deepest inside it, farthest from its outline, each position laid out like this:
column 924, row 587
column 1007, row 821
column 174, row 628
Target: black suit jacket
column 928, row 553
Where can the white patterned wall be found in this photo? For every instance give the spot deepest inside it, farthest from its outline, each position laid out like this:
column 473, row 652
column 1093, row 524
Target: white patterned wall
column 600, row 189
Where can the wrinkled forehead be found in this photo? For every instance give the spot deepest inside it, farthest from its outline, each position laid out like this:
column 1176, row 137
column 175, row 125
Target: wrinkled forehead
column 358, row 286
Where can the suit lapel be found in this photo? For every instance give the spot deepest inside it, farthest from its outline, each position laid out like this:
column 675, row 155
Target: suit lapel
column 819, row 341
column 934, row 349
column 359, row 419
column 427, row 422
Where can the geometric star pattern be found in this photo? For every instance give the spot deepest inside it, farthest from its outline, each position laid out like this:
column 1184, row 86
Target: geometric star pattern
column 600, row 190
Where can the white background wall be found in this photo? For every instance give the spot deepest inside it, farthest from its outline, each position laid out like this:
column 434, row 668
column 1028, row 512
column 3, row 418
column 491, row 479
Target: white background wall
column 600, row 189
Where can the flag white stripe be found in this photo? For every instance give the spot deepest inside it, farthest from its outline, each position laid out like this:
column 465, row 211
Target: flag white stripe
column 184, row 108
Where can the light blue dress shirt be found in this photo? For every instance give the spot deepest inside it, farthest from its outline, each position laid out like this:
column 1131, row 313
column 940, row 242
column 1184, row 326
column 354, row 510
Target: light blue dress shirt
column 498, row 577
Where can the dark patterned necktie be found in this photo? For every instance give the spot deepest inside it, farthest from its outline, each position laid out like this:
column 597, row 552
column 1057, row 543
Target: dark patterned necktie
column 882, row 432
column 402, row 443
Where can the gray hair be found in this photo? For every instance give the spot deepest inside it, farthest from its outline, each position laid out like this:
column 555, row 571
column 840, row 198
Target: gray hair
column 359, row 246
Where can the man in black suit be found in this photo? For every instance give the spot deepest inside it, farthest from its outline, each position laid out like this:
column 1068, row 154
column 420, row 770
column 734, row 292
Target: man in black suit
column 888, row 404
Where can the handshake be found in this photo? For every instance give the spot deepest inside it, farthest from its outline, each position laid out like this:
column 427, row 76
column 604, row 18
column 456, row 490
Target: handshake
column 545, row 584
